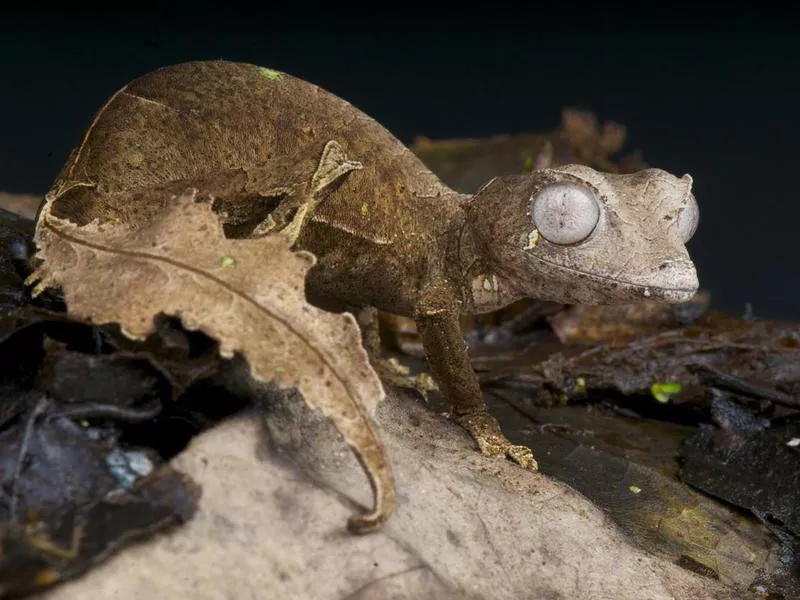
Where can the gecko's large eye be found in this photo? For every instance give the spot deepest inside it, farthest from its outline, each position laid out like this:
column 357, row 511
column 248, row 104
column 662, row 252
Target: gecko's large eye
column 688, row 219
column 565, row 213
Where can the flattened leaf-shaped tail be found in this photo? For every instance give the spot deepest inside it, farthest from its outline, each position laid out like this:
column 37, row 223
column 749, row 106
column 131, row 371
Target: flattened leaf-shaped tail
column 246, row 293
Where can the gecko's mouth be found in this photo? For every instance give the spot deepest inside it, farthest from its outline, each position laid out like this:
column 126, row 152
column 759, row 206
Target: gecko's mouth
column 671, row 295
column 681, row 274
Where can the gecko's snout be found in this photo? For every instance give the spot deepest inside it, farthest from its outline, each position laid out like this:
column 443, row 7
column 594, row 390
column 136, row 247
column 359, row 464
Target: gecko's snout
column 675, row 296
column 677, row 281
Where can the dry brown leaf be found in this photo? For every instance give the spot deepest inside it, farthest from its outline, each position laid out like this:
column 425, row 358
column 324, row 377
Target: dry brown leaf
column 586, row 324
column 24, row 205
column 591, row 143
column 248, row 294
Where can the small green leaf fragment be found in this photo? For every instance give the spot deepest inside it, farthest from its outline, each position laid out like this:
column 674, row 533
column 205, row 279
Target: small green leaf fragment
column 634, row 489
column 270, row 74
column 227, row 261
column 664, row 391
column 527, row 166
column 364, row 209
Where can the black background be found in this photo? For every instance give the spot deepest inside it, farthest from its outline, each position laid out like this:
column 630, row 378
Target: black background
column 713, row 91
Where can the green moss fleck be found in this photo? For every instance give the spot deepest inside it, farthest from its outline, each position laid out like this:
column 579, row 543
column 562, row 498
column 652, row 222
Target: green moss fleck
column 635, row 489
column 364, row 209
column 527, row 166
column 270, row 74
column 227, row 261
column 664, row 391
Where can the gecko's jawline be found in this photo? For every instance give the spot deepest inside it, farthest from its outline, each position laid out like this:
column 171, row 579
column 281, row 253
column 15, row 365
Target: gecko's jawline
column 673, row 295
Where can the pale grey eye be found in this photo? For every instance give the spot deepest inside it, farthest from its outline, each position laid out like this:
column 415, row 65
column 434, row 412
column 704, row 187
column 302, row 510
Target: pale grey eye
column 688, row 219
column 565, row 213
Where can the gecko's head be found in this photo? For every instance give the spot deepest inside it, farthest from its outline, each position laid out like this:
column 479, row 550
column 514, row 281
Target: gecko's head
column 575, row 235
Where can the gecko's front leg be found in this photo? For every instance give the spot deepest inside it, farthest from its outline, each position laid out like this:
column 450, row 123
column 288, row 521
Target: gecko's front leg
column 438, row 325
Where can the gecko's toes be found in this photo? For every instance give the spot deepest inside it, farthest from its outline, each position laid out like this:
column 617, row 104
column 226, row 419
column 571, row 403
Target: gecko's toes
column 395, row 374
column 523, row 456
column 498, row 445
column 491, row 441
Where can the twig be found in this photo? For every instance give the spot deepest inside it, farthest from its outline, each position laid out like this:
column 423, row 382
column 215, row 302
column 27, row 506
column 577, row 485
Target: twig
column 38, row 411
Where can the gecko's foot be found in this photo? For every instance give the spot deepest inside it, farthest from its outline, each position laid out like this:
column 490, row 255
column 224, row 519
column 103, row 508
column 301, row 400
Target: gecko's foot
column 301, row 217
column 395, row 374
column 485, row 430
column 279, row 220
column 267, row 226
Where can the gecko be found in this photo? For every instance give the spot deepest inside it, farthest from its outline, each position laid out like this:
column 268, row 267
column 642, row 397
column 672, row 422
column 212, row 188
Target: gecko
column 280, row 154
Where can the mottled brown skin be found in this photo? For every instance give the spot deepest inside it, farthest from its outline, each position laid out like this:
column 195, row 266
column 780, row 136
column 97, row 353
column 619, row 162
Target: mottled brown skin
column 226, row 128
column 387, row 233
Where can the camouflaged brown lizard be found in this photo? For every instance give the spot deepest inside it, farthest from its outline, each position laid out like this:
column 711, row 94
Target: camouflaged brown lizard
column 279, row 153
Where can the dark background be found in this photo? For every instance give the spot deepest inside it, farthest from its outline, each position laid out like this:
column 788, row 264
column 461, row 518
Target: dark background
column 713, row 91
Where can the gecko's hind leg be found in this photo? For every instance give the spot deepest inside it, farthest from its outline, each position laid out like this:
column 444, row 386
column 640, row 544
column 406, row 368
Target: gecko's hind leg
column 289, row 217
column 301, row 217
column 333, row 165
column 390, row 370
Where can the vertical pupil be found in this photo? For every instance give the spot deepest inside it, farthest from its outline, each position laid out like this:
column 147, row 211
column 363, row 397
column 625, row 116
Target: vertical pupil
column 563, row 210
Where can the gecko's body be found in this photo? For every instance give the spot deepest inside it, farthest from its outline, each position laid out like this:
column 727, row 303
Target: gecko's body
column 280, row 153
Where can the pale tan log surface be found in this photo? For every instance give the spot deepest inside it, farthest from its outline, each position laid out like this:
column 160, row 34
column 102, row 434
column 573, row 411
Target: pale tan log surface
column 270, row 525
